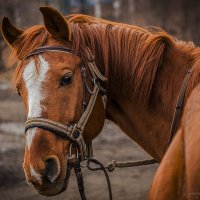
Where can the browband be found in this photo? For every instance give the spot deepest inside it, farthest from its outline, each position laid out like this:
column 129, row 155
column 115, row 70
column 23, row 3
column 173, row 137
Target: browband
column 43, row 49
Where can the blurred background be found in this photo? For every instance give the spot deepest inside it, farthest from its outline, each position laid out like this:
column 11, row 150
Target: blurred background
column 180, row 18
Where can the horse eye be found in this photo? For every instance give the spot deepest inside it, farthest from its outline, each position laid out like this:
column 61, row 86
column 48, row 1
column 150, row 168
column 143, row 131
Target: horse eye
column 66, row 79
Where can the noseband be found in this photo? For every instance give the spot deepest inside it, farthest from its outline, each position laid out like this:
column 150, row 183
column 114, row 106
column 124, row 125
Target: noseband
column 74, row 133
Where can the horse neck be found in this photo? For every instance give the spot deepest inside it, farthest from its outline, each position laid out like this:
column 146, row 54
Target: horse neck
column 148, row 124
column 145, row 73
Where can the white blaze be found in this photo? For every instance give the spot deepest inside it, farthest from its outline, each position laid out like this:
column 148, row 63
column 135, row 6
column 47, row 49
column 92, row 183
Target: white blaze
column 33, row 81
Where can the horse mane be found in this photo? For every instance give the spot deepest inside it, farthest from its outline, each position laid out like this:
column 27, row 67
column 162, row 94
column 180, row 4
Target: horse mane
column 129, row 55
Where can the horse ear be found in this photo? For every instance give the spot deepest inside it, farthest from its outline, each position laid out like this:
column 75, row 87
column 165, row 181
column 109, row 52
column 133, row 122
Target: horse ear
column 9, row 31
column 55, row 23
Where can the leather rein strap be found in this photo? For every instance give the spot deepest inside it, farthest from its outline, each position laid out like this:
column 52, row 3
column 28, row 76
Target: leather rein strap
column 179, row 106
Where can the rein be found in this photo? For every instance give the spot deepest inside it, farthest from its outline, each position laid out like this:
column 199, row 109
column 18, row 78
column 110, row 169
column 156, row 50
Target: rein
column 179, row 106
column 73, row 133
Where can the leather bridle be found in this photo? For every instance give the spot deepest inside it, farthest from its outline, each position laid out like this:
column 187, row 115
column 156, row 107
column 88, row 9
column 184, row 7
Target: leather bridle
column 74, row 132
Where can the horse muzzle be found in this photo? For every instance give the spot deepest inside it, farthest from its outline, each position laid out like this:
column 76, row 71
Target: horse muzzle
column 50, row 183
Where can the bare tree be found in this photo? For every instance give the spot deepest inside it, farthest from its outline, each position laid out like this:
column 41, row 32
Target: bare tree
column 83, row 8
column 97, row 9
column 116, row 8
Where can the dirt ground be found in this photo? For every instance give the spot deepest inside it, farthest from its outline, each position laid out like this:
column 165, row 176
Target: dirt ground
column 127, row 184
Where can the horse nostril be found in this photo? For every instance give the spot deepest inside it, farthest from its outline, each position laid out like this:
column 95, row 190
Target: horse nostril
column 52, row 168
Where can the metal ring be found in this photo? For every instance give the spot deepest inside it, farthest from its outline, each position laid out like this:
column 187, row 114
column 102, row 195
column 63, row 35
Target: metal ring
column 70, row 150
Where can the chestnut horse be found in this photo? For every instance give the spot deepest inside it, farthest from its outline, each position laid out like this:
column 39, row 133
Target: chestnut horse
column 144, row 69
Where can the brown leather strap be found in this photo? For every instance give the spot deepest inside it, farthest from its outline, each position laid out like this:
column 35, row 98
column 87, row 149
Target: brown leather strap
column 102, row 168
column 114, row 164
column 84, row 118
column 92, row 66
column 179, row 106
column 60, row 129
column 44, row 49
column 79, row 177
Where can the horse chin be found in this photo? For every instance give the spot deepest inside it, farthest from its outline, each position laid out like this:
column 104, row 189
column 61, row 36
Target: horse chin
column 52, row 189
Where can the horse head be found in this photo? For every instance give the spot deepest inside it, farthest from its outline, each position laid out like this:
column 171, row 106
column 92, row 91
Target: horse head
column 51, row 86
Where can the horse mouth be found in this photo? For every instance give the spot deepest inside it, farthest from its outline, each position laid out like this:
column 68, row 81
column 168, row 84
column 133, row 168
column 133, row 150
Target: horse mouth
column 49, row 189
